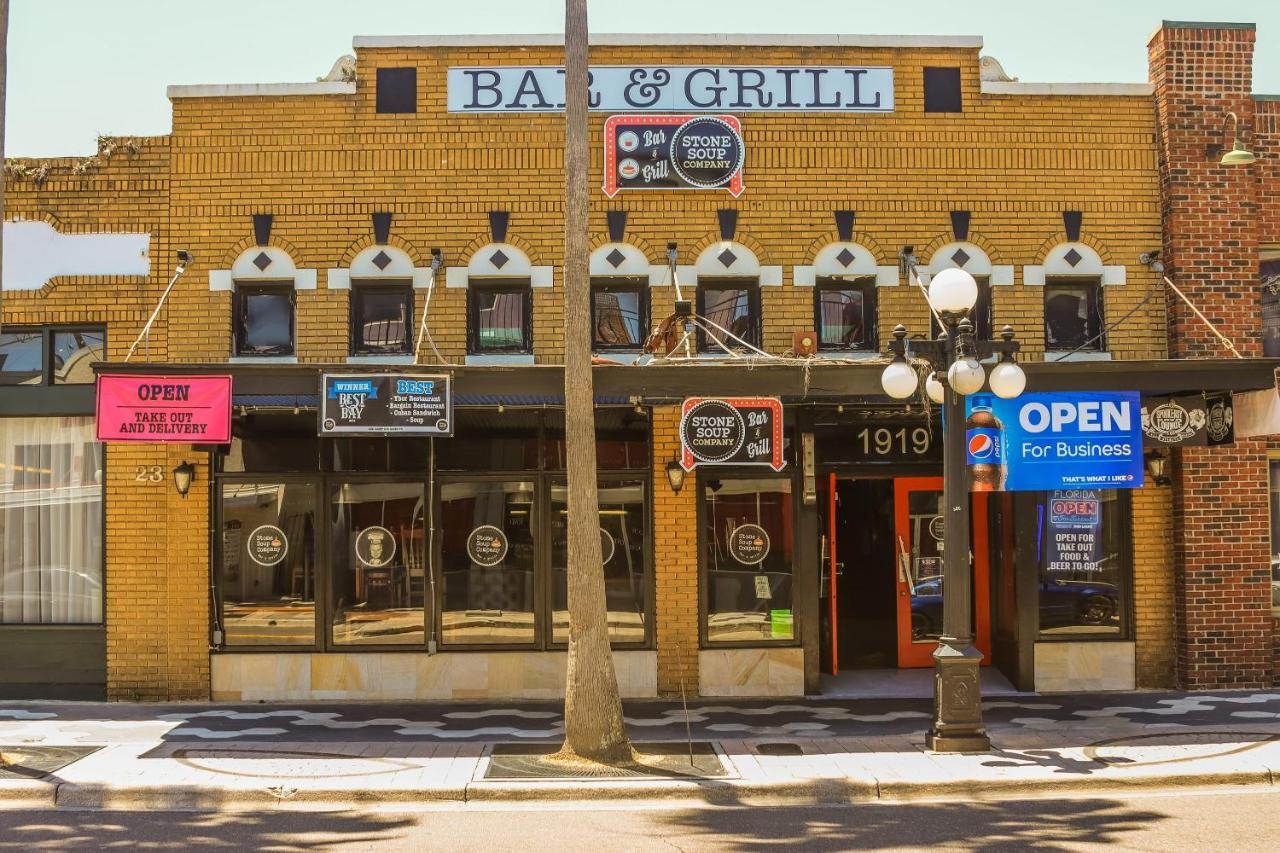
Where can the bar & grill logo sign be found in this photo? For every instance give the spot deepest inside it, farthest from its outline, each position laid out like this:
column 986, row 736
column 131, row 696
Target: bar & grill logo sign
column 731, row 431
column 673, row 152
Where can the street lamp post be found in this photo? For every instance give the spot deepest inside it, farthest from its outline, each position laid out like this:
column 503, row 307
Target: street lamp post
column 956, row 372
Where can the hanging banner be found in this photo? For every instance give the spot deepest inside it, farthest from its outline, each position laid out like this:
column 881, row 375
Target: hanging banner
column 663, row 152
column 1188, row 420
column 385, row 404
column 731, row 431
column 1054, row 441
column 165, row 409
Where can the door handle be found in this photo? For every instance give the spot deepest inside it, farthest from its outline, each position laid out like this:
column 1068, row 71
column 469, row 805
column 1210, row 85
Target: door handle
column 904, row 567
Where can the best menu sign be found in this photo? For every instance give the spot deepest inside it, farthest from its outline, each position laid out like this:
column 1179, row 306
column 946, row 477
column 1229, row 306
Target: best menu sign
column 385, row 404
column 1055, row 441
column 164, row 409
column 650, row 152
column 731, row 431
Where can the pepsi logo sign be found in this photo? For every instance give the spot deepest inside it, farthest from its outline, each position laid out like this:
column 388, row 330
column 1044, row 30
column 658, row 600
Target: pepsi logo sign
column 981, row 446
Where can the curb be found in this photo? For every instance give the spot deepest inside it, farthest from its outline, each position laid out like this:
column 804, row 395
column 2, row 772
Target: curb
column 23, row 794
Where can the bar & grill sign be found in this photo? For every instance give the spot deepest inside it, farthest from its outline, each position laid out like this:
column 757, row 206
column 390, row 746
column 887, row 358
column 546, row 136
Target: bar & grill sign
column 385, row 404
column 731, row 431
column 650, row 152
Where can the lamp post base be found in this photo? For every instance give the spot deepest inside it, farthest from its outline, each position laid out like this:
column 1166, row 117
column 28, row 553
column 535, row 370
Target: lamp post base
column 957, row 699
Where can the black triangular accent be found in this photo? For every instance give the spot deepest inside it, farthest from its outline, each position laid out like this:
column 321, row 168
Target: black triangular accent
column 844, row 225
column 728, row 222
column 381, row 227
column 960, row 224
column 617, row 220
column 1071, row 222
column 498, row 221
column 262, row 228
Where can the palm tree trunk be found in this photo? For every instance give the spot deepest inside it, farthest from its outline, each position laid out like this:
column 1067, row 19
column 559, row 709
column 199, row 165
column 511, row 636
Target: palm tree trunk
column 594, row 726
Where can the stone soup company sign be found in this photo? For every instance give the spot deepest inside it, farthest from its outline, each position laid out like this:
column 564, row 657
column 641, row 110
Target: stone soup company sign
column 654, row 152
column 173, row 409
column 731, row 431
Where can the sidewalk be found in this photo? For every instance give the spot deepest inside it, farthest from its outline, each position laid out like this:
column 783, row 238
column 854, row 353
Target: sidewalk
column 158, row 757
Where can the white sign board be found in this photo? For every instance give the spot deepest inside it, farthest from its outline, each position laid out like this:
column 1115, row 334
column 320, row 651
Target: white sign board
column 677, row 88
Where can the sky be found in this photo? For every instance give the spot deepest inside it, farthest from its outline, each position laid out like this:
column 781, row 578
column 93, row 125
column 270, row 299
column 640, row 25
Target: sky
column 80, row 68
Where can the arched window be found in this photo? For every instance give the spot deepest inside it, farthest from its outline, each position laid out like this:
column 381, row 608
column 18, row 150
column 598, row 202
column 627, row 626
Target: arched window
column 619, row 298
column 728, row 296
column 265, row 281
column 973, row 260
column 845, row 300
column 499, row 279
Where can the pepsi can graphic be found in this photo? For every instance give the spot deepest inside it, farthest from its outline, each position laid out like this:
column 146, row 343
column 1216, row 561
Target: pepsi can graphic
column 984, row 451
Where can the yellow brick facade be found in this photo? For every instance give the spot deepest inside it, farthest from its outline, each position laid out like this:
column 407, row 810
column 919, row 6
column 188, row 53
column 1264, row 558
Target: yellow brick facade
column 322, row 164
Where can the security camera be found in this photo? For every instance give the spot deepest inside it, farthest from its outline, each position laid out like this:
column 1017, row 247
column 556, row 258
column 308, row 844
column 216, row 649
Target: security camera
column 1152, row 260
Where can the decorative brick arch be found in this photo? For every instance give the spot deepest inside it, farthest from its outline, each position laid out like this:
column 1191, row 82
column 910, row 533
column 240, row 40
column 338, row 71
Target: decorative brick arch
column 860, row 237
column 366, row 241
column 516, row 240
column 1057, row 239
column 249, row 242
column 655, row 256
column 926, row 254
column 712, row 238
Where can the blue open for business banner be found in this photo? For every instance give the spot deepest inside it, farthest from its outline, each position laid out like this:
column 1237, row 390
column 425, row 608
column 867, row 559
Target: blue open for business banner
column 1054, row 440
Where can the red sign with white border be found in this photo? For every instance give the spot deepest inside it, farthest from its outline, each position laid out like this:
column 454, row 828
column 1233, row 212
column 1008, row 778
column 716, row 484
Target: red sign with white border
column 673, row 152
column 731, row 431
column 164, row 409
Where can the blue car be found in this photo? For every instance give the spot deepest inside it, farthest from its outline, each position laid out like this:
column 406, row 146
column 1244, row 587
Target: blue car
column 1063, row 603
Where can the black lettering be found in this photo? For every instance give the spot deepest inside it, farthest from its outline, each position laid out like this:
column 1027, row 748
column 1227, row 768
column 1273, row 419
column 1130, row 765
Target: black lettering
column 787, row 74
column 717, row 91
column 529, row 88
column 856, row 74
column 477, row 87
column 593, row 97
column 762, row 99
column 817, row 75
column 646, row 90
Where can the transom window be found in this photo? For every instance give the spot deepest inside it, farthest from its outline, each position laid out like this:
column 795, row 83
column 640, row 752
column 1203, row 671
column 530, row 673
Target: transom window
column 381, row 318
column 264, row 318
column 619, row 313
column 50, row 355
column 845, row 314
column 734, row 306
column 1073, row 315
column 499, row 317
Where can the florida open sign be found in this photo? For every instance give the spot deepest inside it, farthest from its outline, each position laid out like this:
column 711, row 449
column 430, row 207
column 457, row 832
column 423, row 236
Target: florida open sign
column 680, row 152
column 731, row 431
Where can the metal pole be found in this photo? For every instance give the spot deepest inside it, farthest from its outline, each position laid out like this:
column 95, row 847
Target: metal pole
column 957, row 696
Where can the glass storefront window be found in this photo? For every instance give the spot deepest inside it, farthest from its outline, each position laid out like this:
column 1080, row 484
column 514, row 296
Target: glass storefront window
column 747, row 557
column 268, row 572
column 50, row 522
column 622, row 544
column 487, row 559
column 1083, row 570
column 378, row 563
column 1275, row 538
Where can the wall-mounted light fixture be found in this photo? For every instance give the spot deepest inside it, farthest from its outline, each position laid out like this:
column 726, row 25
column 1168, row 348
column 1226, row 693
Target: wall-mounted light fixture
column 675, row 476
column 183, row 476
column 1158, row 467
column 1238, row 155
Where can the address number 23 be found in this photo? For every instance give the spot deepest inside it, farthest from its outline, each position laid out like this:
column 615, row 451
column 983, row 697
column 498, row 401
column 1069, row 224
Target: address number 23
column 149, row 474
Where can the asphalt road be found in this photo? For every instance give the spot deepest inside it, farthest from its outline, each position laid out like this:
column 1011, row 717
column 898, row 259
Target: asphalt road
column 1238, row 820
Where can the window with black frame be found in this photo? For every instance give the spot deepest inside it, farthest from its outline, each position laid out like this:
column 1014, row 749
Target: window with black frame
column 619, row 314
column 1269, row 278
column 982, row 314
column 747, row 558
column 1083, row 563
column 732, row 310
column 50, row 355
column 381, row 318
column 263, row 319
column 499, row 318
column 845, row 314
column 1073, row 315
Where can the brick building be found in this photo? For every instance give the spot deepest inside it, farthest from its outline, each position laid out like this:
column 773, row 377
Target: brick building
column 403, row 216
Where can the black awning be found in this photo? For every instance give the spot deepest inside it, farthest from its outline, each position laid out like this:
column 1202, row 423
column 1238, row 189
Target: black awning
column 816, row 380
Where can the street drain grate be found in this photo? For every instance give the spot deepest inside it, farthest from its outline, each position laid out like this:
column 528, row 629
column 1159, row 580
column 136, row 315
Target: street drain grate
column 26, row 761
column 657, row 761
column 779, row 748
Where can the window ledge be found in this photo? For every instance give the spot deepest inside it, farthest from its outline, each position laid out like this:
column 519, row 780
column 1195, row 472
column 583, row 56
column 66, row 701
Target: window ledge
column 500, row 358
column 1054, row 355
column 850, row 355
column 621, row 356
column 381, row 359
column 263, row 359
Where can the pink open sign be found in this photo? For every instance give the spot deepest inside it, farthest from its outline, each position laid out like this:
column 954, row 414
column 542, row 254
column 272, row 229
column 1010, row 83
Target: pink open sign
column 174, row 409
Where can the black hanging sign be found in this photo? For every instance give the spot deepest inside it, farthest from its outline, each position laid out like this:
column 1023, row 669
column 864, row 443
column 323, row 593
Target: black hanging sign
column 731, row 431
column 698, row 152
column 385, row 404
column 1189, row 420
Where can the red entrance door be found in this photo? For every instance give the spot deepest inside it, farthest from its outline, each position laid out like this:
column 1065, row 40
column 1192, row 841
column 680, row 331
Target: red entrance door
column 918, row 533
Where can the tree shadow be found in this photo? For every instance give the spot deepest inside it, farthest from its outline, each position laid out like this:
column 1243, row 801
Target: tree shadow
column 241, row 830
column 1042, row 825
column 1054, row 759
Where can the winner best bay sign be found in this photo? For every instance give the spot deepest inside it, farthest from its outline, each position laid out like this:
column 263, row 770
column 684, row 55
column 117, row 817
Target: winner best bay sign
column 677, row 88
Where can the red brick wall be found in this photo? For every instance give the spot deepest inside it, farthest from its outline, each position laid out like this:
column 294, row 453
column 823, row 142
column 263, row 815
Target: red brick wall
column 1221, row 512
